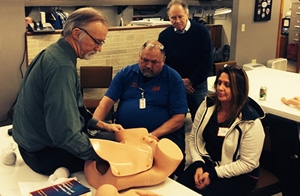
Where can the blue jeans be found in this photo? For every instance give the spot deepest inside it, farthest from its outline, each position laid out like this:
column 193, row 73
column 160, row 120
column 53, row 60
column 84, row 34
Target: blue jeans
column 194, row 100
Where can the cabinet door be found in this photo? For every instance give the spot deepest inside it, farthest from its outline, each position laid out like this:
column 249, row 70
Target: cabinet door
column 215, row 34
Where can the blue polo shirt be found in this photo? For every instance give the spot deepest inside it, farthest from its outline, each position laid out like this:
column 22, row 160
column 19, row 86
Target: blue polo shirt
column 165, row 96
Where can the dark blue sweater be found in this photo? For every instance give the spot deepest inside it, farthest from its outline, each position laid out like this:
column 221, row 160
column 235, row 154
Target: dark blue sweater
column 190, row 54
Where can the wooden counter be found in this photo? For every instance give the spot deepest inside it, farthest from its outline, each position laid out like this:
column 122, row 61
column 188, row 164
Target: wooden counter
column 116, row 28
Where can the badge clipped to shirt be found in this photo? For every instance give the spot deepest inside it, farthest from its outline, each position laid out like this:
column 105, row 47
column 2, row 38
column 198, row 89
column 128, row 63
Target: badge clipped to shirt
column 142, row 101
column 223, row 131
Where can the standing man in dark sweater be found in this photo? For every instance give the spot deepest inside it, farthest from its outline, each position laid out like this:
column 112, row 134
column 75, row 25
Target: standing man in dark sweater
column 189, row 51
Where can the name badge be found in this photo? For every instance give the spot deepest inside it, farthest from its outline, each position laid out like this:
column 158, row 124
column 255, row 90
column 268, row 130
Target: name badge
column 223, row 131
column 142, row 103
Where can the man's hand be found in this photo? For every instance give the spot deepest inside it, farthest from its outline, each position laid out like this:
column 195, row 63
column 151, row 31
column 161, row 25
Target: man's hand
column 153, row 136
column 188, row 85
column 113, row 127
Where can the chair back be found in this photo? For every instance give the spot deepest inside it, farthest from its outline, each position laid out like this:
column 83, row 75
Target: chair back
column 95, row 76
column 219, row 65
column 268, row 183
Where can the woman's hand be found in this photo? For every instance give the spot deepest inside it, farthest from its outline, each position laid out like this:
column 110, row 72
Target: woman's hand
column 201, row 178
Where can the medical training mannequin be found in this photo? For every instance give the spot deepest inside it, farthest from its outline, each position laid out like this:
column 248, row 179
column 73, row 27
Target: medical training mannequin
column 293, row 101
column 136, row 159
column 110, row 190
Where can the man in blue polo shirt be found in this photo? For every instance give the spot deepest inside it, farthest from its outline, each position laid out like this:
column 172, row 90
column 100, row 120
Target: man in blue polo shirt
column 151, row 95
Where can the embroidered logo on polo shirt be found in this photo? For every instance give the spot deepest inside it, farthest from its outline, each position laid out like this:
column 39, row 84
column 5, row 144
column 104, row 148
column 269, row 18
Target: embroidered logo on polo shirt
column 134, row 85
column 155, row 88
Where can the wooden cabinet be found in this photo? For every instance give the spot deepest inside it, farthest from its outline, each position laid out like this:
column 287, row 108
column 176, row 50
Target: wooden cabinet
column 283, row 46
column 215, row 34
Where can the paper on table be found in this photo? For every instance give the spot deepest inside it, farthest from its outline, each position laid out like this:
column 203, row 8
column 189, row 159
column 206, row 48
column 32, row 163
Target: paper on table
column 27, row 187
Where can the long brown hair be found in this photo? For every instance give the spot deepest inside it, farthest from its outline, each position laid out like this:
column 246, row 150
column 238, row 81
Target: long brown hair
column 239, row 86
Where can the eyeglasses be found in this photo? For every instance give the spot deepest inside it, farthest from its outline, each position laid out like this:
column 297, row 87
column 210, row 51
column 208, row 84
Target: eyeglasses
column 235, row 68
column 97, row 42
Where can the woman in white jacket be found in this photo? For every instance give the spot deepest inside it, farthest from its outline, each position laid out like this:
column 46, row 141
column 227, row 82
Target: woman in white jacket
column 226, row 139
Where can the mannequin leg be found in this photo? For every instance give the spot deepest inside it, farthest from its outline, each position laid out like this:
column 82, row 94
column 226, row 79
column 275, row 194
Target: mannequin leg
column 294, row 101
column 110, row 190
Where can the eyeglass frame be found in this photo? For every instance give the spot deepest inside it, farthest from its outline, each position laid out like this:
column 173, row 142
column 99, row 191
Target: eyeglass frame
column 235, row 68
column 95, row 40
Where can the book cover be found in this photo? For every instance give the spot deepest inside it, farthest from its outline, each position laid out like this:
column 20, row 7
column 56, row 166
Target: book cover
column 71, row 187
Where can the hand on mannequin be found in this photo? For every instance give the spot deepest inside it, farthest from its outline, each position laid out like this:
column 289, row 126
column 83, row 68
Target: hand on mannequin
column 113, row 127
column 95, row 124
column 135, row 160
column 201, row 178
column 294, row 101
column 110, row 190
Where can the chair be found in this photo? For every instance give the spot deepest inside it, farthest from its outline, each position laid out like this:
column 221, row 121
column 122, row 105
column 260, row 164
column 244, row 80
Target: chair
column 252, row 66
column 219, row 65
column 278, row 63
column 268, row 184
column 94, row 82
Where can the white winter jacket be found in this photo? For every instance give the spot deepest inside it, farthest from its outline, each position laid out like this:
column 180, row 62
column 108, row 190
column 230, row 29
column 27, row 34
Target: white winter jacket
column 242, row 144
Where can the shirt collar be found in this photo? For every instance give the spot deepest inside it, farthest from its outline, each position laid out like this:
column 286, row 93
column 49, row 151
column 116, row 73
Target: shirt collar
column 187, row 27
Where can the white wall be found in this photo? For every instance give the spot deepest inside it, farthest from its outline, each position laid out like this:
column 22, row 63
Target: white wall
column 12, row 46
column 259, row 40
column 227, row 25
